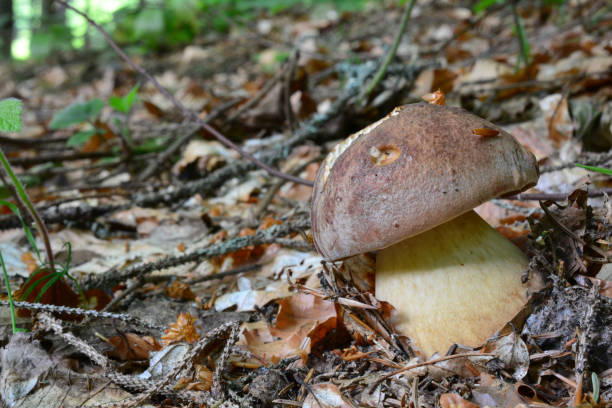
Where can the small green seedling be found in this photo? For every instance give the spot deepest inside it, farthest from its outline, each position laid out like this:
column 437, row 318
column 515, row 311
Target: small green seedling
column 88, row 112
column 10, row 121
column 124, row 104
column 10, row 115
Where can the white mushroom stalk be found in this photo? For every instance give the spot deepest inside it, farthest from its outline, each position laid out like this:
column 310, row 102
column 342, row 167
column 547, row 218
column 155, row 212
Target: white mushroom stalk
column 459, row 282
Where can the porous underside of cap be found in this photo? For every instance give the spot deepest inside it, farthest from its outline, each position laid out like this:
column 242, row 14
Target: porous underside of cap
column 419, row 167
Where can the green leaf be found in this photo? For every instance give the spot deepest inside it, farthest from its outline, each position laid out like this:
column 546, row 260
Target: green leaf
column 149, row 21
column 10, row 115
column 81, row 137
column 524, row 41
column 46, row 287
column 596, row 169
column 485, row 4
column 77, row 113
column 124, row 104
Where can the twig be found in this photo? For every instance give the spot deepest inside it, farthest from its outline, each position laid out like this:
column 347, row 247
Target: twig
column 217, row 388
column 257, row 213
column 289, row 74
column 189, row 358
column 66, row 214
column 434, row 361
column 6, row 140
column 83, row 312
column 258, row 96
column 21, row 195
column 186, row 112
column 46, row 322
column 390, row 55
column 221, row 275
column 554, row 196
column 56, row 157
column 114, row 276
column 176, row 145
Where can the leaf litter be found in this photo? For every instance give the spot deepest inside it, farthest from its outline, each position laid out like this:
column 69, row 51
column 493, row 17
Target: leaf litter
column 260, row 320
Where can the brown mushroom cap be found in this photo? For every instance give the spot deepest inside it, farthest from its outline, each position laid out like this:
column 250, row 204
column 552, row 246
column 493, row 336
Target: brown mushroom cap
column 417, row 168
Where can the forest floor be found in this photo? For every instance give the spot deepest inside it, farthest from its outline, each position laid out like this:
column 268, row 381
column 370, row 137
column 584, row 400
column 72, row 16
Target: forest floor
column 202, row 285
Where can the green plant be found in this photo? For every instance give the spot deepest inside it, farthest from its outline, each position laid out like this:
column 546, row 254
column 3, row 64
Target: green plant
column 10, row 296
column 88, row 113
column 595, row 169
column 49, row 277
column 10, row 120
column 519, row 27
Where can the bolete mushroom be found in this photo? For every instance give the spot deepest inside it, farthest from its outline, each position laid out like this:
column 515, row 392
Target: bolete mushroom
column 405, row 186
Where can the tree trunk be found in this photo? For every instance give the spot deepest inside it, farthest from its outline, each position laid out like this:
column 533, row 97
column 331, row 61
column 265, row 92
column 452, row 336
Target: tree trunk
column 7, row 20
column 52, row 13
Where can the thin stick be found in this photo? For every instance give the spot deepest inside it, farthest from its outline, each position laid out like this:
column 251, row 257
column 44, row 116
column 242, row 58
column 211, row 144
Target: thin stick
column 554, row 196
column 391, row 54
column 186, row 112
column 21, row 195
column 434, row 361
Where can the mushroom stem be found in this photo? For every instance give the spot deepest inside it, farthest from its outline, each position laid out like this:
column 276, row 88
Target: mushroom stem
column 459, row 282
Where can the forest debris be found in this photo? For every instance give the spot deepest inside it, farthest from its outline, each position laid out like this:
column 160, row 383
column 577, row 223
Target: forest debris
column 325, row 395
column 130, row 346
column 180, row 290
column 302, row 323
column 563, row 313
column 454, row 400
column 162, row 361
column 248, row 299
column 182, row 330
column 24, row 363
column 512, row 351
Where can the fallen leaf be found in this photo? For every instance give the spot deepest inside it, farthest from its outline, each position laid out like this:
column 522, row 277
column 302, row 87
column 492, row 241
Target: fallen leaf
column 512, row 351
column 36, row 290
column 180, row 290
column 453, row 400
column 130, row 346
column 300, row 316
column 182, row 330
column 325, row 395
column 605, row 286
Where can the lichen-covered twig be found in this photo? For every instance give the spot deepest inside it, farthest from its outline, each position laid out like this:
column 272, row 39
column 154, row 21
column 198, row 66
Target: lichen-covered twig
column 270, row 235
column 47, row 322
column 83, row 312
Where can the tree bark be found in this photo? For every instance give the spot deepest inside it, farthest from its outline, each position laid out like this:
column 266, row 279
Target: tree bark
column 7, row 20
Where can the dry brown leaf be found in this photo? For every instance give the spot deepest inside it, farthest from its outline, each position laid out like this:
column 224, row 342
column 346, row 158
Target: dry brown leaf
column 202, row 380
column 512, row 351
column 182, row 330
column 130, row 346
column 325, row 395
column 453, row 400
column 180, row 290
column 299, row 316
column 99, row 139
column 558, row 119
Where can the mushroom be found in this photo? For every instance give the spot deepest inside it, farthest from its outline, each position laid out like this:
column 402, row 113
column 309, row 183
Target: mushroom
column 405, row 187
